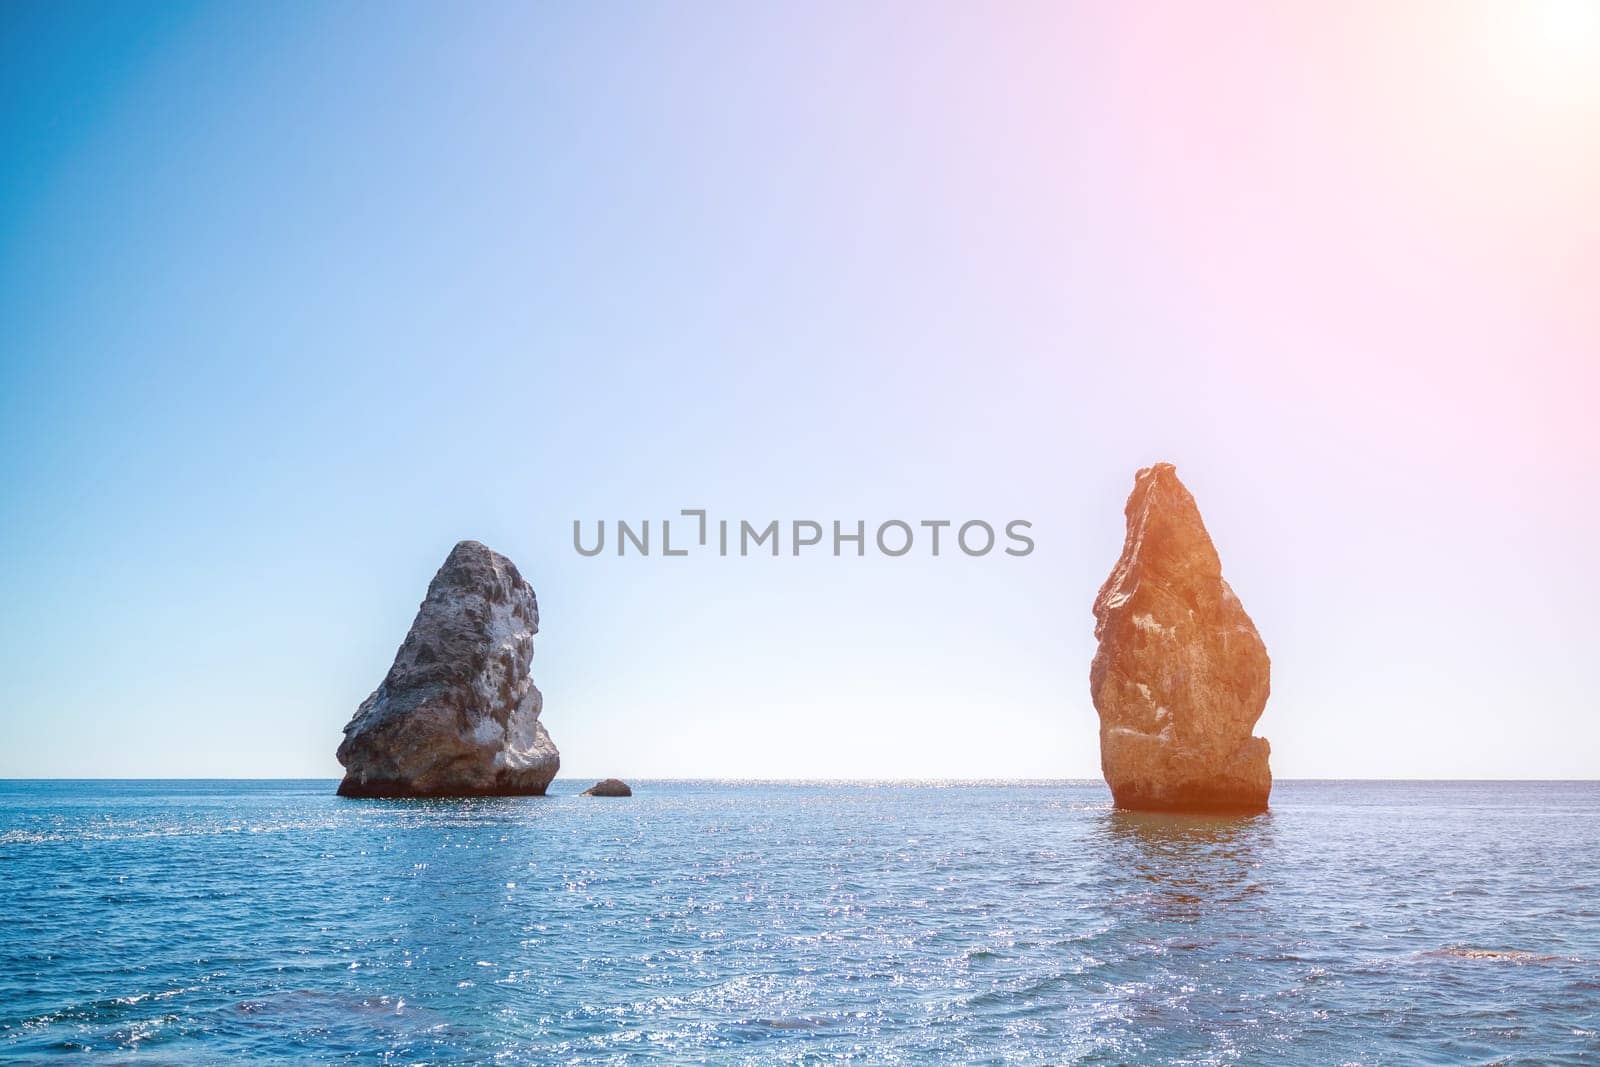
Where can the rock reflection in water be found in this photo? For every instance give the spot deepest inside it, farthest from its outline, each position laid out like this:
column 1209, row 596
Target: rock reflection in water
column 1181, row 865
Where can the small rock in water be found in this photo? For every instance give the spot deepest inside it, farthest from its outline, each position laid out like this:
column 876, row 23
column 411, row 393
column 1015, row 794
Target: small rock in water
column 458, row 713
column 610, row 787
column 1181, row 676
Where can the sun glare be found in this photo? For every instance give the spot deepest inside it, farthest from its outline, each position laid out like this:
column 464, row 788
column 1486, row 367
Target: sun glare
column 1546, row 51
column 1570, row 26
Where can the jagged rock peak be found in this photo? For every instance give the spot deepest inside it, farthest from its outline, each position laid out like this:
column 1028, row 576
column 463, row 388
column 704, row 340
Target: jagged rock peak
column 1181, row 675
column 458, row 713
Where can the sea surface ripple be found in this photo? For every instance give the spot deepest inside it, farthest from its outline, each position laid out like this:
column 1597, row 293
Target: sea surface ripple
column 730, row 922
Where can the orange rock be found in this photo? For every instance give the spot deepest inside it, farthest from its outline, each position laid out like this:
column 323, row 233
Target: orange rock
column 1181, row 676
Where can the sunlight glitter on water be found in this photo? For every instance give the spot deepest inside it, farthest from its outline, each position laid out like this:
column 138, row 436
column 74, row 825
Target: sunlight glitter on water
column 739, row 922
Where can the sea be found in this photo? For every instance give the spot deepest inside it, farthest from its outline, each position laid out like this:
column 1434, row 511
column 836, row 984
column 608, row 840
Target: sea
column 214, row 922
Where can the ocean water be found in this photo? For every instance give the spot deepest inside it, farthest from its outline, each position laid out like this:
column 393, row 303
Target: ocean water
column 1372, row 923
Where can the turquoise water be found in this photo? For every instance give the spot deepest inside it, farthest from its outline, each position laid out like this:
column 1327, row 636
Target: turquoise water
column 204, row 922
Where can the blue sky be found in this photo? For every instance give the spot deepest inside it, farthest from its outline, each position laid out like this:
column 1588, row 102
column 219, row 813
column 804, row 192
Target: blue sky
column 293, row 297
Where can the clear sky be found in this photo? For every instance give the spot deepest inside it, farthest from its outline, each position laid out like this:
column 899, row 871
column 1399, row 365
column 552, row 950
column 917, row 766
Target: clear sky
column 294, row 296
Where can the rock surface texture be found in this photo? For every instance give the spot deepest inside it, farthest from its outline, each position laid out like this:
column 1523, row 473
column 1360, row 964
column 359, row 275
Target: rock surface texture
column 608, row 787
column 1181, row 676
column 458, row 713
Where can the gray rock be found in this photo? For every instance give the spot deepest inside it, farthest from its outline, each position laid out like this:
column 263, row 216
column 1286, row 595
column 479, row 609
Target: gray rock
column 458, row 713
column 609, row 787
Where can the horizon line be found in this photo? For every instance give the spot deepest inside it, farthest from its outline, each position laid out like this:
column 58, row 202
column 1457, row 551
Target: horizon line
column 836, row 780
